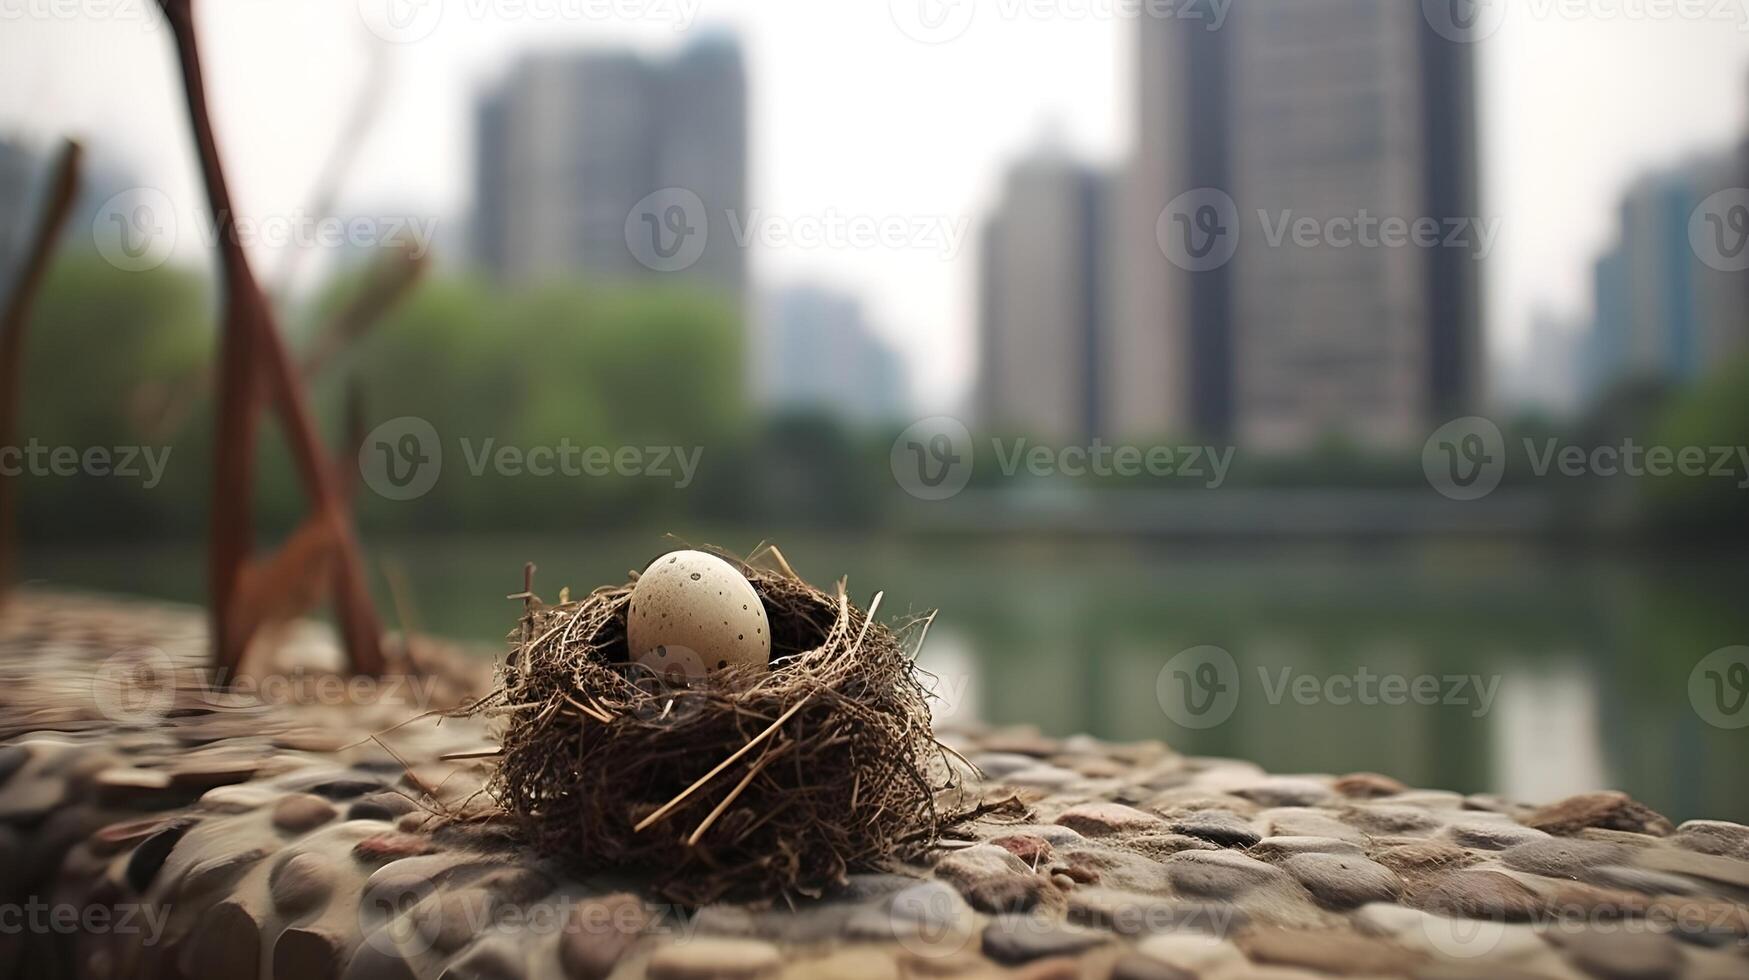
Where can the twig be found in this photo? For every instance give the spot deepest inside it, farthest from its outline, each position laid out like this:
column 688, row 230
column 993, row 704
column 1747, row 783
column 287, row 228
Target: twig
column 668, row 807
column 718, row 810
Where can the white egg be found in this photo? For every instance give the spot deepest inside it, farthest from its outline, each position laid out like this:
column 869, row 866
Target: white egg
column 693, row 614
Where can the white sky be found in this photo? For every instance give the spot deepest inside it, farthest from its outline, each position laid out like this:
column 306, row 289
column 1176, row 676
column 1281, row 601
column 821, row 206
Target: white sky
column 853, row 117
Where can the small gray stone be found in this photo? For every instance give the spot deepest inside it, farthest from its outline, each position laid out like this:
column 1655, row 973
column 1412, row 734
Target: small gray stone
column 1716, row 837
column 1016, row 939
column 1287, row 791
column 1620, row 954
column 1217, row 874
column 1491, row 835
column 301, row 882
column 1223, row 827
column 1344, row 881
column 1557, row 857
column 972, row 864
column 1274, row 848
column 1642, row 880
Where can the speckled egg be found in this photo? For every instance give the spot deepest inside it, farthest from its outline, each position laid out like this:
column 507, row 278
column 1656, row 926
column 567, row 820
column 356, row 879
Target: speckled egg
column 693, row 614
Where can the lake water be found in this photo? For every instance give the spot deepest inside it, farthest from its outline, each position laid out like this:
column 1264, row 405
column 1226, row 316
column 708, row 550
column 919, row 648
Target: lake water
column 1482, row 668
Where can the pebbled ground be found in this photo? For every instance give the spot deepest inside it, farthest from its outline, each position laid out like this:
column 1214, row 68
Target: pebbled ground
column 151, row 830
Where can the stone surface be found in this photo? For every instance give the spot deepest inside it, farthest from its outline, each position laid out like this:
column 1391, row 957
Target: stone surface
column 302, row 812
column 711, row 959
column 1103, row 819
column 1113, row 861
column 1344, row 881
column 1610, row 810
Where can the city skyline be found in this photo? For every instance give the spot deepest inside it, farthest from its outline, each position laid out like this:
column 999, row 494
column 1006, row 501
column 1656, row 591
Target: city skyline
column 905, row 139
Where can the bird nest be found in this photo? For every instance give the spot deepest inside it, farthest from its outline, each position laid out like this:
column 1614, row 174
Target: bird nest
column 747, row 783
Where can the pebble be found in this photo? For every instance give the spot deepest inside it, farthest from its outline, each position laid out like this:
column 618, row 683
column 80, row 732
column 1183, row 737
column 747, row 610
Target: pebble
column 12, row 759
column 1561, row 857
column 391, row 847
column 1622, row 954
column 1030, row 849
column 1016, row 939
column 1330, row 952
column 380, row 806
column 1642, row 880
column 1423, row 856
column 1197, row 955
column 1726, row 870
column 598, row 932
column 1010, row 893
column 302, row 882
column 301, row 812
column 1479, row 895
column 1391, row 820
column 1275, row 848
column 1135, row 966
column 973, row 864
column 847, row 964
column 1299, row 821
column 308, row 954
column 713, row 959
column 1491, row 835
column 1217, row 874
column 1611, row 810
column 1287, row 791
column 1344, row 881
column 1368, row 785
column 1105, row 819
column 1716, row 837
column 1223, row 827
column 116, row 837
column 236, row 799
column 226, row 943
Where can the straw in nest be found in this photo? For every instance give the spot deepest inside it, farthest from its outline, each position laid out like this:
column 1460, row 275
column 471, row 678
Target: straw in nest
column 752, row 783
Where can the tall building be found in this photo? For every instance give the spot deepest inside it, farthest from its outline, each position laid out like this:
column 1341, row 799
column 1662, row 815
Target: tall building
column 1044, row 286
column 815, row 352
column 570, row 145
column 1341, row 109
column 19, row 182
column 1663, row 311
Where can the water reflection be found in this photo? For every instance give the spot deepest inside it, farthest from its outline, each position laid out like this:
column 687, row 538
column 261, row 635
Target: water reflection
column 1554, row 672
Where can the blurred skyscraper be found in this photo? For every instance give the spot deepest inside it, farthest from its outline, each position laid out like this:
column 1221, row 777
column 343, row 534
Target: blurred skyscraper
column 815, row 352
column 1344, row 110
column 19, row 172
column 1663, row 312
column 569, row 145
column 1043, row 290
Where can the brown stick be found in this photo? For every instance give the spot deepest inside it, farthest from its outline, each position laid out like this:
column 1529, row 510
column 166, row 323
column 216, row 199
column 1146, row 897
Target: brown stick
column 251, row 353
column 12, row 326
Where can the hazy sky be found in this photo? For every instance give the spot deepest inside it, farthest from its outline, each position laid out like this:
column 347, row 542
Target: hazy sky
column 852, row 117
